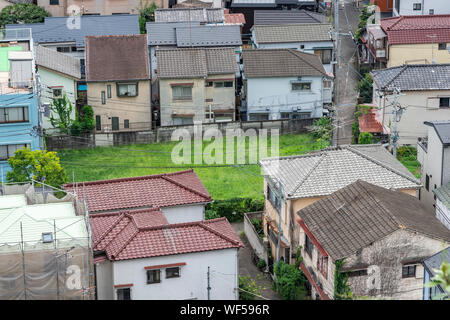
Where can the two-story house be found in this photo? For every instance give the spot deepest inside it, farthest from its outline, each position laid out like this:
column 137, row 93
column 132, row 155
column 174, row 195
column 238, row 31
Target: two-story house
column 151, row 241
column 424, row 96
column 59, row 75
column 443, row 204
column 420, row 7
column 430, row 266
column 196, row 84
column 374, row 237
column 59, row 8
column 283, row 84
column 118, row 82
column 307, row 37
column 19, row 111
column 307, row 178
column 433, row 153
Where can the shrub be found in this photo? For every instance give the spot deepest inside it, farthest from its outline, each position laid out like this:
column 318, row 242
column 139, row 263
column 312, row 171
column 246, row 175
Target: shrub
column 211, row 214
column 233, row 209
column 290, row 281
column 365, row 138
column 365, row 87
column 249, row 285
column 262, row 264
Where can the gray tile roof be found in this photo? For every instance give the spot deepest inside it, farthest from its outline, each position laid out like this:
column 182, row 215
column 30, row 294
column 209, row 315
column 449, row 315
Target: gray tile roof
column 195, row 62
column 361, row 213
column 266, row 17
column 54, row 29
column 442, row 129
column 210, row 15
column 59, row 62
column 207, row 36
column 443, row 194
column 414, row 77
column 281, row 63
column 299, row 32
column 324, row 172
column 163, row 33
column 253, row 3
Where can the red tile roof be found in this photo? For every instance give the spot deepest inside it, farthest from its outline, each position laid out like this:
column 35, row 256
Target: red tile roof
column 146, row 233
column 234, row 18
column 369, row 123
column 417, row 29
column 161, row 190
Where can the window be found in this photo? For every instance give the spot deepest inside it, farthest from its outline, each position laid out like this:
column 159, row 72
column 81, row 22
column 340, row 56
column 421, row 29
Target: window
column 427, row 182
column 98, row 123
column 309, row 245
column 54, row 2
column 63, row 49
column 182, row 92
column 228, row 84
column 103, row 97
column 409, row 271
column 183, row 121
column 47, row 237
column 14, row 115
column 357, row 273
column 153, row 276
column 444, row 102
column 258, row 116
column 73, row 49
column 301, row 86
column 302, row 46
column 126, row 124
column 417, row 6
column 7, row 151
column 57, row 93
column 442, row 46
column 273, row 197
column 301, row 115
column 115, row 123
column 327, row 84
column 173, row 272
column 208, row 84
column 124, row 294
column 127, row 89
column 322, row 264
column 325, row 56
column 431, row 11
column 285, row 115
column 108, row 90
column 218, row 84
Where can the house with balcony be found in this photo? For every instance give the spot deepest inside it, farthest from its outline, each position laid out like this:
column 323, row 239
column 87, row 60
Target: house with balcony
column 59, row 76
column 19, row 111
column 420, row 7
column 424, row 96
column 430, row 266
column 118, row 82
column 196, row 84
column 433, row 153
column 374, row 47
column 283, row 84
column 293, row 183
column 312, row 38
column 376, row 238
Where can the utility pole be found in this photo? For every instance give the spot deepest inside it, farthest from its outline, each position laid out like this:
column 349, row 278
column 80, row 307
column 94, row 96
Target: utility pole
column 279, row 221
column 336, row 67
column 208, row 287
column 395, row 134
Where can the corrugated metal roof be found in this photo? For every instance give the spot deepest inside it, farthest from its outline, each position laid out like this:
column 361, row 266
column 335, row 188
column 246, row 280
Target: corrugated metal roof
column 209, row 36
column 163, row 33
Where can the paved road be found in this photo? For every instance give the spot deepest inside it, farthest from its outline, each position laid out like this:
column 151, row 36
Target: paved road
column 248, row 268
column 347, row 78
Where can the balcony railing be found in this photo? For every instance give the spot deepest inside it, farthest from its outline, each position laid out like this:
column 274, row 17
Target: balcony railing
column 15, row 34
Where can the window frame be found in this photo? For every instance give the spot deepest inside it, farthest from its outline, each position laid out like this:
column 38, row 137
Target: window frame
column 274, row 198
column 309, row 246
column 182, row 98
column 357, row 273
column 417, row 6
column 123, row 290
column 118, row 84
column 26, row 145
column 408, row 273
column 301, row 83
column 103, row 97
column 152, row 271
column 173, row 276
column 441, row 104
column 108, row 91
column 25, row 114
column 427, row 182
column 98, row 122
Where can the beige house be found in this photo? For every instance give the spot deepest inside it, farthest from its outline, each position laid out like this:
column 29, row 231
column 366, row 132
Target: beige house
column 375, row 237
column 118, row 82
column 308, row 178
column 424, row 96
column 60, row 8
column 196, row 84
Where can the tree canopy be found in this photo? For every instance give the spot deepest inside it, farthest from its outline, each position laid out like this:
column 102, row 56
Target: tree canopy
column 22, row 13
column 146, row 14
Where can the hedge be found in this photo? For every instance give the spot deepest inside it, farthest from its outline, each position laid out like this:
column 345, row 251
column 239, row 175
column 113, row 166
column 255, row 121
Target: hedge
column 238, row 206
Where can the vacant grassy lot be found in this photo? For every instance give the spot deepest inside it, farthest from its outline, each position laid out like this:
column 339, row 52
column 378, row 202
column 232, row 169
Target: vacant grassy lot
column 222, row 182
column 408, row 157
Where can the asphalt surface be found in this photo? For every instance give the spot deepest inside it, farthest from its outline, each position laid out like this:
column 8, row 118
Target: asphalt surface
column 347, row 76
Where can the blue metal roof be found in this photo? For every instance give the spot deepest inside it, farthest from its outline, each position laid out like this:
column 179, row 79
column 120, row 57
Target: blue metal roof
column 65, row 29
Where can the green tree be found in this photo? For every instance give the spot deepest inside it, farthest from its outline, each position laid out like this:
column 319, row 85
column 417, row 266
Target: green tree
column 27, row 165
column 84, row 122
column 63, row 109
column 146, row 14
column 20, row 13
column 365, row 87
column 248, row 289
column 290, row 281
column 365, row 138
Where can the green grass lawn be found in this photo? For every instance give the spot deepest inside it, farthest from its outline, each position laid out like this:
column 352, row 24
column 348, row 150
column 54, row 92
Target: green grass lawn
column 144, row 159
column 407, row 155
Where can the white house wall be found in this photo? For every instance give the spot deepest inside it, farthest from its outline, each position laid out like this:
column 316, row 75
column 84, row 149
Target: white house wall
column 182, row 214
column 104, row 280
column 406, row 7
column 192, row 282
column 276, row 94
